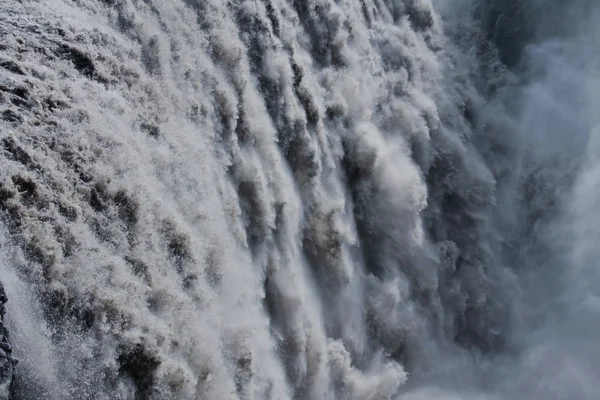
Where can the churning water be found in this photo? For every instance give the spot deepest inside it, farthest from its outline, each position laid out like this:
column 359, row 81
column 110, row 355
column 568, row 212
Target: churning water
column 301, row 199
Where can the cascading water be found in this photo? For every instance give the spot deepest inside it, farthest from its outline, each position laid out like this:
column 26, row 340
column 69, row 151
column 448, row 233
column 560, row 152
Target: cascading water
column 300, row 199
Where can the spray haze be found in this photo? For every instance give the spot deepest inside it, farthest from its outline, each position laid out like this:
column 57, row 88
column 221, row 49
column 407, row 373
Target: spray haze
column 300, row 199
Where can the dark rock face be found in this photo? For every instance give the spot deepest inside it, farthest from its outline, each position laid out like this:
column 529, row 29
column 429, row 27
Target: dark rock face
column 7, row 362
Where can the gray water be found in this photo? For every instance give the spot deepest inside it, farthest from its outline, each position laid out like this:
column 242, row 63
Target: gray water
column 301, row 199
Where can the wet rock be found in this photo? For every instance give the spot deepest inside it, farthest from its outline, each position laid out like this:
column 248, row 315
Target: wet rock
column 81, row 61
column 150, row 129
column 7, row 362
column 17, row 153
column 140, row 364
column 12, row 67
column 11, row 116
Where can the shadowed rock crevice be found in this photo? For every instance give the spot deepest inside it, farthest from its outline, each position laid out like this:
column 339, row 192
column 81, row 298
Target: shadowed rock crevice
column 81, row 61
column 140, row 364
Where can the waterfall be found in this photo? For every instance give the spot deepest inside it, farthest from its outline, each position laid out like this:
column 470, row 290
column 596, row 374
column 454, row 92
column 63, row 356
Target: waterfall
column 300, row 199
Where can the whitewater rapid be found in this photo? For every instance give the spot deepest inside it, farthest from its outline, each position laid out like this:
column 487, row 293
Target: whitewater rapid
column 303, row 199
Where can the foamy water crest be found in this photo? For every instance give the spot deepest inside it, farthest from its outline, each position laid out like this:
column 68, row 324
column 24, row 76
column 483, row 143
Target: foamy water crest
column 303, row 199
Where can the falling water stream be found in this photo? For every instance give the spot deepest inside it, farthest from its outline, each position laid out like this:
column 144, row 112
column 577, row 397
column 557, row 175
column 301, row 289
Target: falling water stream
column 301, row 199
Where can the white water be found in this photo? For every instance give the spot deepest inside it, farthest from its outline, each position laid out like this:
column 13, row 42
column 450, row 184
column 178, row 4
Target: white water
column 297, row 200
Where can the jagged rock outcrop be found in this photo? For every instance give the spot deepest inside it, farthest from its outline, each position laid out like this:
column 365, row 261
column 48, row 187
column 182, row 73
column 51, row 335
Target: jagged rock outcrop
column 7, row 362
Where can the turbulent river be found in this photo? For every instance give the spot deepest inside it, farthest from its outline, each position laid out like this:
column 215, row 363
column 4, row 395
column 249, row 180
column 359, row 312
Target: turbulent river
column 301, row 199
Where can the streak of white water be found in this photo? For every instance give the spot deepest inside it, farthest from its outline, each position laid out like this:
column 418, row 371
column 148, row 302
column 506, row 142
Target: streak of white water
column 308, row 199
